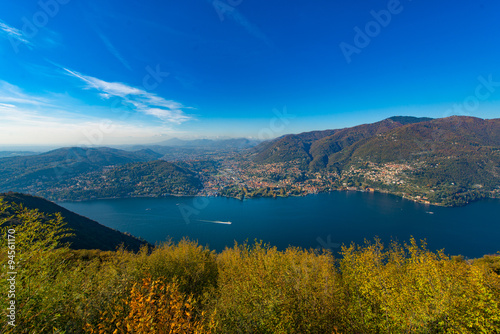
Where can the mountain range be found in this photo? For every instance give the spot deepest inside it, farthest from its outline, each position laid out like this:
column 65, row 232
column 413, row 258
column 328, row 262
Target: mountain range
column 390, row 140
column 316, row 149
column 173, row 144
column 447, row 161
column 230, row 143
column 452, row 156
column 9, row 154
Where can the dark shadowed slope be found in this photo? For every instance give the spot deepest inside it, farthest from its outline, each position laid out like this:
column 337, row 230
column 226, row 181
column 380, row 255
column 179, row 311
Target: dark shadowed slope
column 89, row 234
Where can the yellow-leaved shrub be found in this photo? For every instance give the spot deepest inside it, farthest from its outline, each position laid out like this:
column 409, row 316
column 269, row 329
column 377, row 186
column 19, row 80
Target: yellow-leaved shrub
column 152, row 307
column 263, row 290
column 408, row 289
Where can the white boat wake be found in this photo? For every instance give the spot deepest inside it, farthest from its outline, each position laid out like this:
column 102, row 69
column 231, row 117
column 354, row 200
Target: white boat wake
column 215, row 222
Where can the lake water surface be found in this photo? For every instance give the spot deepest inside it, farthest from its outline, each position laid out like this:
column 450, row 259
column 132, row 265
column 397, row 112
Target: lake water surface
column 323, row 220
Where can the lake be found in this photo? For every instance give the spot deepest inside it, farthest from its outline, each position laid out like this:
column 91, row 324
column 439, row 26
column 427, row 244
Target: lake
column 323, row 220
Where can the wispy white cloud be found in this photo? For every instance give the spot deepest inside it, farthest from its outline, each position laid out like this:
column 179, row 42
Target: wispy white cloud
column 13, row 33
column 19, row 126
column 18, row 106
column 111, row 48
column 6, row 105
column 32, row 119
column 11, row 94
column 142, row 100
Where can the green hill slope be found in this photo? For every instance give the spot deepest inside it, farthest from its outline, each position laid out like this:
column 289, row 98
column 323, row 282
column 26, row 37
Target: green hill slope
column 290, row 147
column 153, row 179
column 54, row 167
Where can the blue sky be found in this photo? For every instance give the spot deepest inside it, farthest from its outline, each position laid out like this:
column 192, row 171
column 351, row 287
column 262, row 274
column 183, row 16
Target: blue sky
column 115, row 72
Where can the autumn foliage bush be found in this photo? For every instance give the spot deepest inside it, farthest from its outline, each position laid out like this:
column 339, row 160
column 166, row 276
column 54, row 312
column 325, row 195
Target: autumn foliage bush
column 263, row 290
column 408, row 289
column 186, row 288
column 152, row 307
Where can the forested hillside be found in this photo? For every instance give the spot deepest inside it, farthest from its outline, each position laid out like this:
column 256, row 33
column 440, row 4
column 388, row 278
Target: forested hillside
column 148, row 179
column 54, row 168
column 448, row 161
column 85, row 173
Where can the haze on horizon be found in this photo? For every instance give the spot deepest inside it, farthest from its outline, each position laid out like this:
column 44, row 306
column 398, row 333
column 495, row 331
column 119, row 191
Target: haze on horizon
column 125, row 72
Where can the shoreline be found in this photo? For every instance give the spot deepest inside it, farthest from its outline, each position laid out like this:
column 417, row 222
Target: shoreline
column 279, row 196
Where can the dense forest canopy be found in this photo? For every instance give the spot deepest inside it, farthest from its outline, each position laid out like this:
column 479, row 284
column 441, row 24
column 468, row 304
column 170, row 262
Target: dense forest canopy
column 250, row 288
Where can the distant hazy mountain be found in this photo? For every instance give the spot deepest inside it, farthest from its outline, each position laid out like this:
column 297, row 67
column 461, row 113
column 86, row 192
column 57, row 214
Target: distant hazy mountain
column 21, row 173
column 10, row 154
column 233, row 143
column 88, row 233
